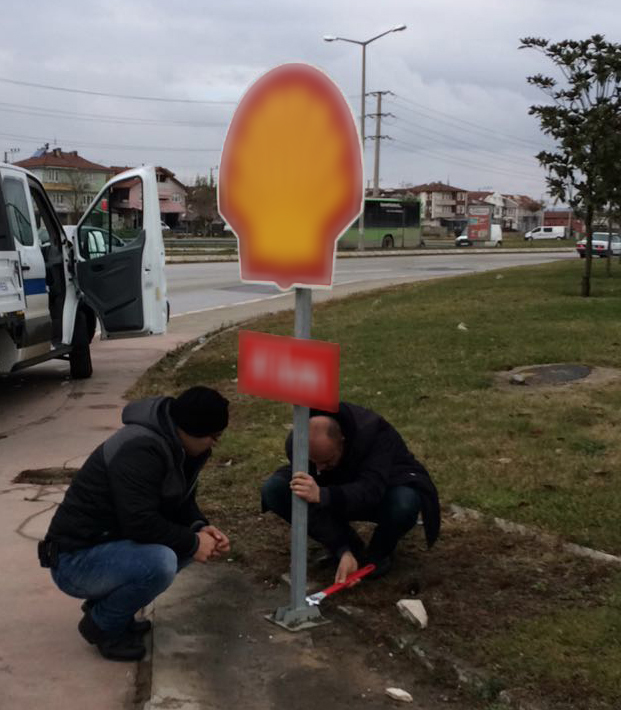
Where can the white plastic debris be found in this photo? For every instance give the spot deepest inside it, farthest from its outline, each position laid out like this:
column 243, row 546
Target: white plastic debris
column 414, row 611
column 399, row 694
column 462, row 326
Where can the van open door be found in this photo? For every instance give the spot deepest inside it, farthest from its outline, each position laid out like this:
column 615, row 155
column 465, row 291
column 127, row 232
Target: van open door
column 120, row 256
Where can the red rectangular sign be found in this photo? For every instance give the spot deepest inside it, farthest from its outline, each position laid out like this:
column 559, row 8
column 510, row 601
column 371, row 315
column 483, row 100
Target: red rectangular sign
column 479, row 223
column 294, row 370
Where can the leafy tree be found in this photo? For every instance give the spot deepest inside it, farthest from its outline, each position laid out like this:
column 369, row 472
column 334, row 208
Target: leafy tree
column 583, row 169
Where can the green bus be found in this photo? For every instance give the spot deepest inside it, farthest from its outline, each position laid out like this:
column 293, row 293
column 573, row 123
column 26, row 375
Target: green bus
column 388, row 223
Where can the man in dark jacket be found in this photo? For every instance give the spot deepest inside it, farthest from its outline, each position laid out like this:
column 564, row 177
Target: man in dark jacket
column 129, row 520
column 359, row 469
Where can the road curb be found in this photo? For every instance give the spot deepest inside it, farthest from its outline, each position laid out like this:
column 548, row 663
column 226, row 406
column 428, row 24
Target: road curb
column 553, row 540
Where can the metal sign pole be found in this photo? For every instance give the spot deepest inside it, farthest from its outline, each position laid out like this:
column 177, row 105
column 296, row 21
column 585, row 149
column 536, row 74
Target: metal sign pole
column 299, row 614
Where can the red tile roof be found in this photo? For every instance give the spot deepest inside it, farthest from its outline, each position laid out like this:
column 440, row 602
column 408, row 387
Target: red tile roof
column 479, row 195
column 435, row 187
column 57, row 158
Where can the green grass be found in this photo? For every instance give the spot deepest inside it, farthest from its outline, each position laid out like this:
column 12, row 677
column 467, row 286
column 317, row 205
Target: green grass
column 553, row 652
column 403, row 354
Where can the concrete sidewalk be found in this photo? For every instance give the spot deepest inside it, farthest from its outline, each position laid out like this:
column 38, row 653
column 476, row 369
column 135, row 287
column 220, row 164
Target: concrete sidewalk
column 213, row 649
column 44, row 663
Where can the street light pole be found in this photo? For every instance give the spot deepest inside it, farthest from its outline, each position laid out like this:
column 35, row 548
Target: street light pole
column 363, row 44
column 363, row 139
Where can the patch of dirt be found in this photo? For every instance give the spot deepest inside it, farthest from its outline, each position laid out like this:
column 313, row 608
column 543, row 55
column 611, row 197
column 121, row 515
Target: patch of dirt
column 46, row 476
column 475, row 584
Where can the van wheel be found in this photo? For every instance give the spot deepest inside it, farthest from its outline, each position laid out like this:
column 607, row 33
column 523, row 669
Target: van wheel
column 388, row 242
column 80, row 365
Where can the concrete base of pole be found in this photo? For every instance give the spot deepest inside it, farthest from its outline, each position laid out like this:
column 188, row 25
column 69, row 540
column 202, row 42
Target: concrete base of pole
column 297, row 619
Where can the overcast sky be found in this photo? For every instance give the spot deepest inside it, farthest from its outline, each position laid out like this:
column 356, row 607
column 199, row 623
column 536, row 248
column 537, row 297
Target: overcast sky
column 460, row 104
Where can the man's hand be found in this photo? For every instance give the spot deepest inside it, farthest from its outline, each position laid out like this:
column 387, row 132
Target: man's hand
column 305, row 487
column 347, row 566
column 222, row 541
column 206, row 546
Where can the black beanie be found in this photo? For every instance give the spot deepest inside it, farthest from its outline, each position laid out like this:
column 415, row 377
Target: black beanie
column 200, row 411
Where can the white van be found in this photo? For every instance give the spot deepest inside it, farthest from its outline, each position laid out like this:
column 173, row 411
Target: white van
column 546, row 233
column 495, row 238
column 56, row 285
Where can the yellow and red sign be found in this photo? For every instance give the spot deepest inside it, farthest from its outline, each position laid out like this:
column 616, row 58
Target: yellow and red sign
column 294, row 370
column 290, row 180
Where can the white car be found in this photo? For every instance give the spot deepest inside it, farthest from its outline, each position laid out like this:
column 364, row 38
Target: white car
column 599, row 245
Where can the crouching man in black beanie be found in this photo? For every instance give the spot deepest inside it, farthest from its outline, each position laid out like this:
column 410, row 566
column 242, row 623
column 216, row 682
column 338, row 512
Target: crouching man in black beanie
column 129, row 521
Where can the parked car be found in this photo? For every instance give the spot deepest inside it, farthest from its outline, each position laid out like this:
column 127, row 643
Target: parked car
column 599, row 245
column 546, row 233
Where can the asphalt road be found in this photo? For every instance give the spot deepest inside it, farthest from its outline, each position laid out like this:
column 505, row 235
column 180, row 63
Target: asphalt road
column 194, row 287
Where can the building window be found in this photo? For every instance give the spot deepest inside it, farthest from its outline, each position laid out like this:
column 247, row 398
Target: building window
column 176, row 197
column 161, row 177
column 51, row 176
column 57, row 198
column 461, row 196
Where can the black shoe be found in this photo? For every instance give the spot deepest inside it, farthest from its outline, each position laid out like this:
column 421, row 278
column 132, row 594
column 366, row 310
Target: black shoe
column 135, row 627
column 114, row 647
column 122, row 648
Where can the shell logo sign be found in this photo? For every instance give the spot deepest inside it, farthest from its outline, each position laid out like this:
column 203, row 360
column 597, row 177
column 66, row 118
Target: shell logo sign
column 290, row 180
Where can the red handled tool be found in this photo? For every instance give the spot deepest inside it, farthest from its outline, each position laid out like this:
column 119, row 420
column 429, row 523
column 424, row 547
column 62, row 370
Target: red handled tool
column 316, row 598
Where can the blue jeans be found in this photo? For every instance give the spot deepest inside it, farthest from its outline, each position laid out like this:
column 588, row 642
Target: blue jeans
column 120, row 578
column 395, row 515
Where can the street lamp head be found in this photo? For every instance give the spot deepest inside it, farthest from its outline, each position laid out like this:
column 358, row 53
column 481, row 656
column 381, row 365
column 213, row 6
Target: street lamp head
column 398, row 28
column 329, row 38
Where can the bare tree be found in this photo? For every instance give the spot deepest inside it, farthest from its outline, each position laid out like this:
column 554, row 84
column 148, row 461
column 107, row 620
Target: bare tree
column 79, row 188
column 202, row 202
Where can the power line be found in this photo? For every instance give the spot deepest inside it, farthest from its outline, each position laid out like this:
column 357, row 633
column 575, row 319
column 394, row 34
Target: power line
column 453, row 122
column 463, row 163
column 112, row 146
column 115, row 96
column 420, row 131
column 106, row 118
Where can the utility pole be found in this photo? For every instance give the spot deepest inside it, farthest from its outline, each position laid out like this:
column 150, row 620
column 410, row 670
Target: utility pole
column 378, row 136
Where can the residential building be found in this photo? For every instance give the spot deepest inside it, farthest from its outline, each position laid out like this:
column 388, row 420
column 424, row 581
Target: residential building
column 490, row 198
column 513, row 212
column 70, row 180
column 172, row 194
column 441, row 205
column 523, row 213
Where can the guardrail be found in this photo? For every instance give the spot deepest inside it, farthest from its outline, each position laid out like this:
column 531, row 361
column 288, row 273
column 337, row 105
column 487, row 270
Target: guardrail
column 184, row 243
